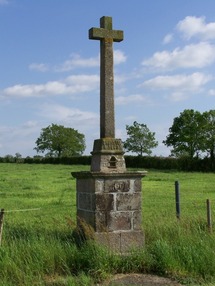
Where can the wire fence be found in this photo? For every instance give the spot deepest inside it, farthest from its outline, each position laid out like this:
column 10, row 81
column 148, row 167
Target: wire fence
column 197, row 206
column 177, row 205
column 43, row 211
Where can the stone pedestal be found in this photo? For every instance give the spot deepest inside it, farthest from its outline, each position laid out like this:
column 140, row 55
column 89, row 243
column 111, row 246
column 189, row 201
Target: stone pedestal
column 110, row 204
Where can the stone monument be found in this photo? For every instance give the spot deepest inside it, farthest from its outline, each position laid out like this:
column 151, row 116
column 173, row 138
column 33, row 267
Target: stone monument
column 109, row 196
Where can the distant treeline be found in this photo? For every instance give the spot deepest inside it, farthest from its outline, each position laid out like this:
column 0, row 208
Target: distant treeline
column 139, row 162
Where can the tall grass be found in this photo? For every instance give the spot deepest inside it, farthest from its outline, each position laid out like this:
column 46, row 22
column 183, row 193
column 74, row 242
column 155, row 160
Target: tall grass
column 184, row 248
column 38, row 247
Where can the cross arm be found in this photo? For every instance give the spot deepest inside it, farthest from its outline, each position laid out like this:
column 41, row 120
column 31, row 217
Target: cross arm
column 101, row 33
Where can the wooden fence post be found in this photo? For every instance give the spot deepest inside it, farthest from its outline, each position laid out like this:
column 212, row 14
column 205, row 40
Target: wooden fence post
column 177, row 200
column 1, row 224
column 209, row 220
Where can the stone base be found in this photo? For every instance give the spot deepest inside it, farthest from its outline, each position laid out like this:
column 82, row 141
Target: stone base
column 121, row 242
column 109, row 208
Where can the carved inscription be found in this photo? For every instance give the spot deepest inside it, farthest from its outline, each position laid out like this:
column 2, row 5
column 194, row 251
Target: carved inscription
column 108, row 145
column 120, row 186
column 111, row 145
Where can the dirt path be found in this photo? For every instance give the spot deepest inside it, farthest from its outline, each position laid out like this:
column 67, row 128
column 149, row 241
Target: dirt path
column 139, row 279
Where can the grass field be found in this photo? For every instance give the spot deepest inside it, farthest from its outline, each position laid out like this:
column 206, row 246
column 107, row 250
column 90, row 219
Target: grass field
column 40, row 214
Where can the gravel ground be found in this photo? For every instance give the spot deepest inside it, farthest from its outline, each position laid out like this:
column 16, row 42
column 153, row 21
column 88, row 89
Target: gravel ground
column 139, row 279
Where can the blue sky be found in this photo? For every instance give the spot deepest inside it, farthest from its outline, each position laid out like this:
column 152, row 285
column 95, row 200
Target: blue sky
column 49, row 69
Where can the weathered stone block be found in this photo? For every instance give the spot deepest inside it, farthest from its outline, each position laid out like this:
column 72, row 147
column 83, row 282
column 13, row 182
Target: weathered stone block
column 137, row 185
column 126, row 202
column 119, row 221
column 103, row 202
column 86, row 185
column 137, row 220
column 121, row 242
column 132, row 239
column 85, row 201
column 85, row 217
column 99, row 186
column 110, row 240
column 101, row 221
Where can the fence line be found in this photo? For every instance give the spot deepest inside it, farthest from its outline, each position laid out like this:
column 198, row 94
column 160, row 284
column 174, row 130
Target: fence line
column 178, row 203
column 177, row 200
column 3, row 212
column 23, row 210
column 1, row 224
column 37, row 209
column 209, row 220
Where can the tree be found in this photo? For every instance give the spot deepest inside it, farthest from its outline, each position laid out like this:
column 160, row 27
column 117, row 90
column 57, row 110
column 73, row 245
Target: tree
column 186, row 134
column 209, row 133
column 18, row 157
column 60, row 141
column 140, row 140
column 9, row 158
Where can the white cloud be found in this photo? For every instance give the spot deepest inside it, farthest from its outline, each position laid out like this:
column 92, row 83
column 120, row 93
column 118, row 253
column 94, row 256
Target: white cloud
column 182, row 82
column 76, row 61
column 131, row 99
column 82, row 83
column 177, row 96
column 191, row 56
column 19, row 138
column 119, row 78
column 39, row 67
column 30, row 124
column 167, row 39
column 23, row 90
column 193, row 26
column 211, row 92
column 119, row 57
column 70, row 85
column 71, row 116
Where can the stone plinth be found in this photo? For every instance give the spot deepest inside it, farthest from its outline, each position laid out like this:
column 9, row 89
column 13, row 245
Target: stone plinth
column 108, row 156
column 111, row 205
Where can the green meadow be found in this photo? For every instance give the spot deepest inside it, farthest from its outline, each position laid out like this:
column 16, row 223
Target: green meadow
column 38, row 247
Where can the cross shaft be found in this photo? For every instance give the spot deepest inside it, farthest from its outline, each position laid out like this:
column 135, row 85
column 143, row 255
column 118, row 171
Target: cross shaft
column 106, row 36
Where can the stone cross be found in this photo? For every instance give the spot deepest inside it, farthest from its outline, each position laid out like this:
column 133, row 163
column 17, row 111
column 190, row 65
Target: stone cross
column 108, row 196
column 106, row 36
